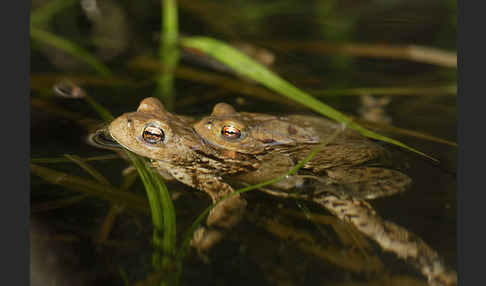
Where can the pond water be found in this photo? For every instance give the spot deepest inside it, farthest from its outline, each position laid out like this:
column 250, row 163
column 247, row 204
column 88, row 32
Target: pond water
column 322, row 46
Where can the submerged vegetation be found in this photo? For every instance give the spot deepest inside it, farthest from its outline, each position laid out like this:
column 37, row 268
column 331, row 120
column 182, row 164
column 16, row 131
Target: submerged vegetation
column 169, row 243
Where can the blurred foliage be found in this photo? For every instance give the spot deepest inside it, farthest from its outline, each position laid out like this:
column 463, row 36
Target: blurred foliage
column 323, row 46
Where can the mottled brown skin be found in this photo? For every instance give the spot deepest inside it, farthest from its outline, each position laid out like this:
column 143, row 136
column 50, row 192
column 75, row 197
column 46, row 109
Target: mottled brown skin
column 258, row 131
column 350, row 165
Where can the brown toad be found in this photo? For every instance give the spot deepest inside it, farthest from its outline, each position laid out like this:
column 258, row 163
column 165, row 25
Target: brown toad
column 350, row 165
column 250, row 148
column 266, row 146
column 206, row 161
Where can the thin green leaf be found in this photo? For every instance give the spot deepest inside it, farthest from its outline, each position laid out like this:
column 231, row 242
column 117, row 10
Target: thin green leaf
column 124, row 276
column 162, row 209
column 168, row 53
column 68, row 47
column 90, row 187
column 90, row 170
column 65, row 160
column 256, row 71
column 401, row 90
column 103, row 112
column 407, row 132
column 170, row 23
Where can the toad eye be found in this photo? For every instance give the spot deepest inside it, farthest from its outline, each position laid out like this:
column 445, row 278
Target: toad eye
column 153, row 134
column 230, row 132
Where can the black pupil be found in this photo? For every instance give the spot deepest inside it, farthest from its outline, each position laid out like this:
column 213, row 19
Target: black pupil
column 153, row 134
column 231, row 132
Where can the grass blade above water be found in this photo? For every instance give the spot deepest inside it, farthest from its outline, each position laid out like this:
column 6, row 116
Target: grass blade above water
column 168, row 53
column 247, row 67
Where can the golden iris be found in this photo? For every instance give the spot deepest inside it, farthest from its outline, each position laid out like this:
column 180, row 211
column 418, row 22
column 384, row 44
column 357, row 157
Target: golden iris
column 153, row 134
column 230, row 132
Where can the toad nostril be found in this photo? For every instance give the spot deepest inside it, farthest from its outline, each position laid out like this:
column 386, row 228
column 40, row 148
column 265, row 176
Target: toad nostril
column 129, row 122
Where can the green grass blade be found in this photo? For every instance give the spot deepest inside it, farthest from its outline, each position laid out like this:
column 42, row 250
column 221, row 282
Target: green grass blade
column 90, row 187
column 247, row 67
column 89, row 169
column 154, row 202
column 163, row 213
column 123, row 276
column 65, row 160
column 68, row 47
column 170, row 23
column 406, row 132
column 103, row 112
column 392, row 91
column 168, row 53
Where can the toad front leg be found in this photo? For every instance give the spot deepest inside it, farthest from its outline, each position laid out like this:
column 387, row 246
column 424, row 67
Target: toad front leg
column 223, row 216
